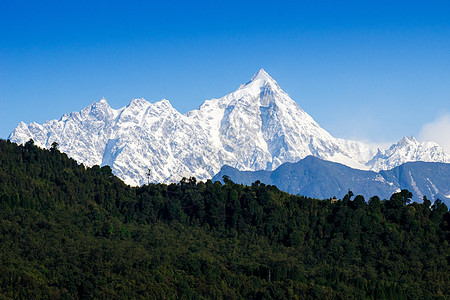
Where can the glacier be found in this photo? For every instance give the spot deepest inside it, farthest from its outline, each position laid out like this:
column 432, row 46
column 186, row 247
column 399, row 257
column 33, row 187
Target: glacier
column 256, row 127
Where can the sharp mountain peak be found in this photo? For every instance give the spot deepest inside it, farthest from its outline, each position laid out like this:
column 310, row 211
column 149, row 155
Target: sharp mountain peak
column 256, row 127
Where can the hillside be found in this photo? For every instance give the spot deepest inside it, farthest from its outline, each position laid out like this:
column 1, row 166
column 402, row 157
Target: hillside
column 67, row 231
column 318, row 178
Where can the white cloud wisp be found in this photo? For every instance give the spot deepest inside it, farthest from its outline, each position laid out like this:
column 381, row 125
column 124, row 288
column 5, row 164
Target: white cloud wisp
column 438, row 131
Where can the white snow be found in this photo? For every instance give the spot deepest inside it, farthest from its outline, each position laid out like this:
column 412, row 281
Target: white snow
column 414, row 186
column 381, row 179
column 406, row 150
column 256, row 127
column 435, row 189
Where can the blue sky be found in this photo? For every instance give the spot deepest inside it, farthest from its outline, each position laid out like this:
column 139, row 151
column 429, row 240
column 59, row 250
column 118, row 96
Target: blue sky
column 368, row 70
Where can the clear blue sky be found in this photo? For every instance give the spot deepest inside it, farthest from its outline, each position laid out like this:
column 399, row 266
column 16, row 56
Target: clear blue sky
column 371, row 70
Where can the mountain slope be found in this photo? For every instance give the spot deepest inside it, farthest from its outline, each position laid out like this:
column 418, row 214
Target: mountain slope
column 422, row 179
column 323, row 179
column 257, row 127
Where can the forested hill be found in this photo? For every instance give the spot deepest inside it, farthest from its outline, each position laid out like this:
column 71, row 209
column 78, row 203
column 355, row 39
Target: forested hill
column 70, row 232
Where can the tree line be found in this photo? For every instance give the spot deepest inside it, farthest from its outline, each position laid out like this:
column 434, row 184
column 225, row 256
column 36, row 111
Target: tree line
column 68, row 231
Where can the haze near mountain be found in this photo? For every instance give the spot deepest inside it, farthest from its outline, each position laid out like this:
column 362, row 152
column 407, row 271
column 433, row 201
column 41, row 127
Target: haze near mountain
column 257, row 127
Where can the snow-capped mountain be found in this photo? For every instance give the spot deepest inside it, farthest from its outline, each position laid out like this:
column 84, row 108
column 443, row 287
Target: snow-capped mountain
column 407, row 149
column 256, row 127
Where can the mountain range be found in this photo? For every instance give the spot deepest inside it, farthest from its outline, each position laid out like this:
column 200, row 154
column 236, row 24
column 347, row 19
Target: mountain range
column 314, row 177
column 256, row 127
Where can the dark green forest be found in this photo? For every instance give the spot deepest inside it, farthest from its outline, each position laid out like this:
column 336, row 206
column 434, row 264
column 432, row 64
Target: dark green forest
column 67, row 231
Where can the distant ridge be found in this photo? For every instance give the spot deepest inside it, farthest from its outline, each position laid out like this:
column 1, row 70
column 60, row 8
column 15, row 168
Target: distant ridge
column 314, row 177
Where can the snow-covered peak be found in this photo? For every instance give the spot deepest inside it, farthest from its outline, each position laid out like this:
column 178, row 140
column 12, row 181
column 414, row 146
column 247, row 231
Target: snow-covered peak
column 406, row 150
column 407, row 140
column 261, row 91
column 262, row 75
column 256, row 127
column 410, row 144
column 101, row 103
column 164, row 104
column 98, row 110
column 138, row 103
column 260, row 81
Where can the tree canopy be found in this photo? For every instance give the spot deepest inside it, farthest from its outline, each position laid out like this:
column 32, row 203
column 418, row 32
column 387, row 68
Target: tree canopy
column 67, row 231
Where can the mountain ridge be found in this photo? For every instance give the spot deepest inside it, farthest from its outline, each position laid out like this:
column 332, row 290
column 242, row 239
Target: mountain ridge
column 315, row 177
column 256, row 127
